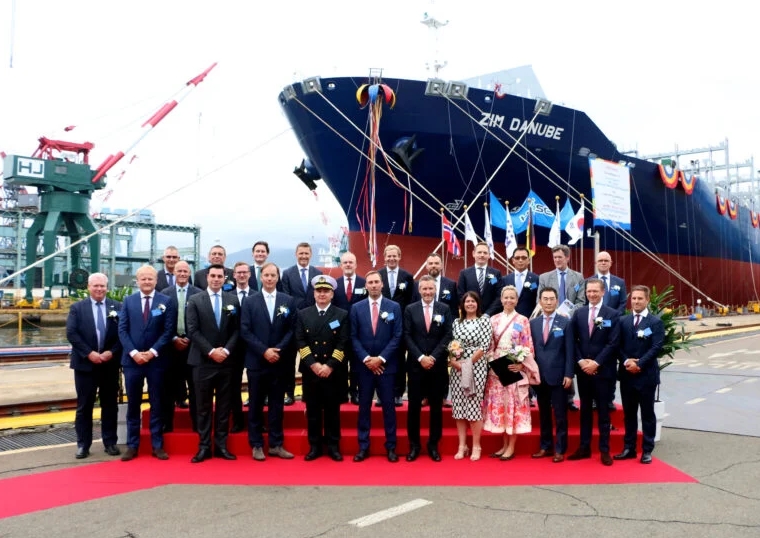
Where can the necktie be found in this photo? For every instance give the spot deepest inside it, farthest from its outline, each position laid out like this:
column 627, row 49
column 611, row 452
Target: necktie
column 101, row 327
column 636, row 323
column 243, row 295
column 217, row 310
column 303, row 280
column 427, row 317
column 562, row 295
column 375, row 316
column 547, row 325
column 604, row 279
column 519, row 283
column 321, row 313
column 349, row 289
column 170, row 278
column 258, row 278
column 392, row 282
column 481, row 279
column 146, row 309
column 181, row 299
column 591, row 320
column 270, row 306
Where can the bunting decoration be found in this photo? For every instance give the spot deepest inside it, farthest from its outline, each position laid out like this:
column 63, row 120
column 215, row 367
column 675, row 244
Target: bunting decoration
column 721, row 204
column 733, row 209
column 669, row 175
column 688, row 185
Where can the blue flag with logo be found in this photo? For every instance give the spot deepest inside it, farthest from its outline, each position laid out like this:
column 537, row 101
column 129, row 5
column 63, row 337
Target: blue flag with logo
column 566, row 215
column 498, row 213
column 542, row 214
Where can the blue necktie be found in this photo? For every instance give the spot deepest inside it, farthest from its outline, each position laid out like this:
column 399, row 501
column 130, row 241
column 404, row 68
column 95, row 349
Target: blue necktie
column 562, row 295
column 101, row 327
column 303, row 280
column 217, row 310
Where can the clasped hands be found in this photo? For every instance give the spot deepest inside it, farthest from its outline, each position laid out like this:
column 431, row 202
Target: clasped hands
column 321, row 370
column 99, row 358
column 632, row 365
column 143, row 357
column 272, row 355
column 218, row 355
column 375, row 364
column 588, row 366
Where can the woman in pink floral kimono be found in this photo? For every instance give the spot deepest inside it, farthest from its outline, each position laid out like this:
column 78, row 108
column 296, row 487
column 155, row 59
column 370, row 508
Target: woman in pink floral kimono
column 507, row 409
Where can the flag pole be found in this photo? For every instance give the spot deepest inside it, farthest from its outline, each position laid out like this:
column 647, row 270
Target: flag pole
column 465, row 243
column 443, row 241
column 584, row 231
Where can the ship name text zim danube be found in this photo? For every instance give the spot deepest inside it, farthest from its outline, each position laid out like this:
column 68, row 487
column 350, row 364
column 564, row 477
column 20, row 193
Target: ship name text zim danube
column 539, row 129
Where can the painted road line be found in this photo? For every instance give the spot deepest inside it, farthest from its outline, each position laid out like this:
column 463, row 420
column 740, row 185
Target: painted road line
column 695, row 365
column 723, row 390
column 382, row 515
column 750, row 380
column 36, row 448
column 695, row 400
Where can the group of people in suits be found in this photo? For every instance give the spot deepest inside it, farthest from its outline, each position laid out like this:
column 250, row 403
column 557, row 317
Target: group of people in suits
column 382, row 334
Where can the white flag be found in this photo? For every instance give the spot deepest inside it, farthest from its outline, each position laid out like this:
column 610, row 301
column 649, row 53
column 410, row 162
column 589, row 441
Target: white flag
column 555, row 234
column 574, row 228
column 487, row 234
column 469, row 231
column 510, row 241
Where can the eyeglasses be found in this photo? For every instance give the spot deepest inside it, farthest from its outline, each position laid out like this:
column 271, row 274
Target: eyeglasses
column 242, row 272
column 519, row 257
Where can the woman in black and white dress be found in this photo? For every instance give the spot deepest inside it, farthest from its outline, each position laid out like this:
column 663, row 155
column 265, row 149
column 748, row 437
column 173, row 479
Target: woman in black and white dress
column 473, row 331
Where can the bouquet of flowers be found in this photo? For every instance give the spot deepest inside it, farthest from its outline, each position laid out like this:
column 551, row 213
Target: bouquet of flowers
column 517, row 354
column 455, row 350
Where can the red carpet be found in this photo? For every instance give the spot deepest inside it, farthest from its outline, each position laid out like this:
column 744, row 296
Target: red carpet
column 42, row 491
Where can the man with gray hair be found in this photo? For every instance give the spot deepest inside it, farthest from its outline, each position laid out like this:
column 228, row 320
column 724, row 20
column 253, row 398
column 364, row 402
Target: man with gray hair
column 93, row 332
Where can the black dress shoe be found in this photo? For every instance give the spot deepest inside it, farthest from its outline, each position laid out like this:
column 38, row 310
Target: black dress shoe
column 398, row 401
column 378, row 403
column 82, row 453
column 646, row 458
column 593, row 406
column 202, row 455
column 434, row 454
column 289, row 400
column 355, row 400
column 580, row 454
column 606, row 459
column 626, row 454
column 224, row 454
column 160, row 454
column 572, row 407
column 129, row 455
column 392, row 456
column 361, row 455
column 313, row 454
column 334, row 454
column 237, row 428
column 414, row 453
column 112, row 450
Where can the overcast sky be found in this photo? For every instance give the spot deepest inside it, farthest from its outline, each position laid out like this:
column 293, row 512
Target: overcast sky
column 650, row 74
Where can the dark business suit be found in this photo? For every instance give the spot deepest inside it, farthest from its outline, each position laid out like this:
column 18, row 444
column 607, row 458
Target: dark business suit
column 432, row 384
column 447, row 294
column 638, row 390
column 265, row 379
column 178, row 380
column 527, row 296
column 602, row 347
column 138, row 335
column 293, row 286
column 239, row 415
column 403, row 295
column 162, row 281
column 615, row 294
column 201, row 278
column 384, row 342
column 210, row 377
column 490, row 299
column 555, row 359
column 322, row 339
column 91, row 379
column 359, row 292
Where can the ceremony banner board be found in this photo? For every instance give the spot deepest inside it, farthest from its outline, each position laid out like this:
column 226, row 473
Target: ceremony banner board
column 611, row 193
